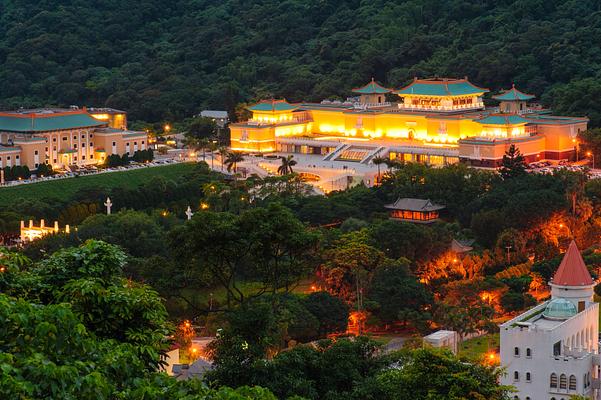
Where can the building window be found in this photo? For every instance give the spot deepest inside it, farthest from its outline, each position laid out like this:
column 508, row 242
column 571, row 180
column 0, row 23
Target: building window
column 46, row 148
column 557, row 349
column 90, row 136
column 64, row 138
column 553, row 380
column 91, row 156
column 91, row 144
column 527, row 376
column 74, row 137
column 83, row 136
column 142, row 142
column 83, row 157
column 74, row 158
column 74, row 145
column 572, row 384
column 516, row 351
column 17, row 157
column 54, row 139
column 36, row 165
column 528, row 353
column 54, row 161
column 563, row 381
column 516, row 376
column 114, row 143
column 35, row 152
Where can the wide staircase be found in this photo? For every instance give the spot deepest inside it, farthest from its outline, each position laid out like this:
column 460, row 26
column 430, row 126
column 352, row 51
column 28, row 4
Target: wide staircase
column 354, row 153
column 336, row 152
column 373, row 154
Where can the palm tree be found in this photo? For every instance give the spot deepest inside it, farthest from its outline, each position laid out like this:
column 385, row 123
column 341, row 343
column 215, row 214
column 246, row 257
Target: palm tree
column 202, row 145
column 223, row 152
column 232, row 160
column 212, row 146
column 287, row 164
column 379, row 161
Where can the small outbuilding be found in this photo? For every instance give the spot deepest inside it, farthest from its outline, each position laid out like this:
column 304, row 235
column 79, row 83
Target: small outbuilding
column 414, row 210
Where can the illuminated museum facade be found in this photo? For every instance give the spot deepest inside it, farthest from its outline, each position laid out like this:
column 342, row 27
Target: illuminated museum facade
column 435, row 121
column 65, row 137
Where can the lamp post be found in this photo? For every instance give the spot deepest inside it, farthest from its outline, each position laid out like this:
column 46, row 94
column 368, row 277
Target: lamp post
column 592, row 155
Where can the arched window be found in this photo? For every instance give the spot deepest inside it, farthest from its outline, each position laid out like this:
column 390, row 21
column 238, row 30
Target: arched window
column 572, row 383
column 553, row 380
column 527, row 376
column 527, row 397
column 516, row 376
column 528, row 352
column 563, row 381
column 516, row 351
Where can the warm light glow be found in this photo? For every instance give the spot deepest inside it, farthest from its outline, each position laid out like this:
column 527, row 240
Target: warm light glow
column 2, row 269
column 103, row 117
column 204, row 206
column 164, row 213
column 588, row 154
column 167, row 127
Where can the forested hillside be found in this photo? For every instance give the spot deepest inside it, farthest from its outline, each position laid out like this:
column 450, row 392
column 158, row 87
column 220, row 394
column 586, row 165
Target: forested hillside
column 163, row 59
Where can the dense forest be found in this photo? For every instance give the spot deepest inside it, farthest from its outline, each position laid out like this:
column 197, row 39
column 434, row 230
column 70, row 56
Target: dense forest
column 165, row 60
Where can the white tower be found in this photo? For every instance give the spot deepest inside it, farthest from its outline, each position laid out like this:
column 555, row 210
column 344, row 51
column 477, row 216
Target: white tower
column 550, row 352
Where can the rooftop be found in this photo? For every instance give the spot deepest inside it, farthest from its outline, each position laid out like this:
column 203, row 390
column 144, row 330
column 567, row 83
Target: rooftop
column 272, row 106
column 42, row 120
column 372, row 87
column 572, row 271
column 502, row 119
column 414, row 205
column 513, row 95
column 441, row 87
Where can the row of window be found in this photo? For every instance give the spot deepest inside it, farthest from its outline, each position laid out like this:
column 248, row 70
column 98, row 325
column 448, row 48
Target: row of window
column 565, row 383
column 516, row 376
column 516, row 352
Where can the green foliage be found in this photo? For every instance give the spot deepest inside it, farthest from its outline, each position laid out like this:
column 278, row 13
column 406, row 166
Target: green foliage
column 44, row 170
column 396, row 292
column 151, row 67
column 15, row 172
column 331, row 312
column 514, row 163
column 200, row 128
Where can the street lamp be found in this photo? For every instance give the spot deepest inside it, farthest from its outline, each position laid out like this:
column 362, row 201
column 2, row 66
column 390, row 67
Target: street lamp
column 592, row 155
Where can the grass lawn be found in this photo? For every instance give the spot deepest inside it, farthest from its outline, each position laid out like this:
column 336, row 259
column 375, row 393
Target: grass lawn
column 474, row 349
column 65, row 188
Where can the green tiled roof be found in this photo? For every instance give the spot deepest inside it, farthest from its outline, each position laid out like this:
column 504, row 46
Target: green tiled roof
column 272, row 105
column 502, row 119
column 6, row 149
column 372, row 88
column 46, row 122
column 441, row 87
column 67, row 151
column 513, row 95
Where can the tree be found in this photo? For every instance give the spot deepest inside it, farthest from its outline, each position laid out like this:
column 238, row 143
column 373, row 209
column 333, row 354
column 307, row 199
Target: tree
column 331, row 312
column 287, row 164
column 379, row 161
column 201, row 128
column 513, row 164
column 44, row 170
column 435, row 374
column 232, row 160
column 396, row 292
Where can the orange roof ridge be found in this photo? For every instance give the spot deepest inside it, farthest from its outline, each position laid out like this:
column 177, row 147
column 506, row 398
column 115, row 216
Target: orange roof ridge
column 572, row 271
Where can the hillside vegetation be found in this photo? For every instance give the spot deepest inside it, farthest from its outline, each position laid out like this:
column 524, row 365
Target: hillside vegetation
column 164, row 60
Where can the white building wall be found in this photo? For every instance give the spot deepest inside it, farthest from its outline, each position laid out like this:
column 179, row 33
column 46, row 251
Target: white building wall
column 578, row 336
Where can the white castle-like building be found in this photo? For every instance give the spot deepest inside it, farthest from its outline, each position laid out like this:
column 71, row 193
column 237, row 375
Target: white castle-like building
column 551, row 352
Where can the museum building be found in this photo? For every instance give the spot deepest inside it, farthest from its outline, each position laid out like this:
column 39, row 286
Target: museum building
column 436, row 121
column 65, row 138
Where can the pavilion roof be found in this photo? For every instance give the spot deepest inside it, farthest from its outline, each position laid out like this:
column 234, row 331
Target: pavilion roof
column 441, row 87
column 513, row 95
column 272, row 106
column 572, row 271
column 42, row 122
column 372, row 87
column 502, row 119
column 410, row 204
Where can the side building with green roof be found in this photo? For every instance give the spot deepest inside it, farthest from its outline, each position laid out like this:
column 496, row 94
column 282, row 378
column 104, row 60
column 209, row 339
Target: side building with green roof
column 64, row 138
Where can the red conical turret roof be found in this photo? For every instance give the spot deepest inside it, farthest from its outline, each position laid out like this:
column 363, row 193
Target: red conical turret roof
column 572, row 271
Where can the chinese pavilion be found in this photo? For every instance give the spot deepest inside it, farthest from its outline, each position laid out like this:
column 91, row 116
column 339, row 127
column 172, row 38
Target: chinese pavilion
column 435, row 121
